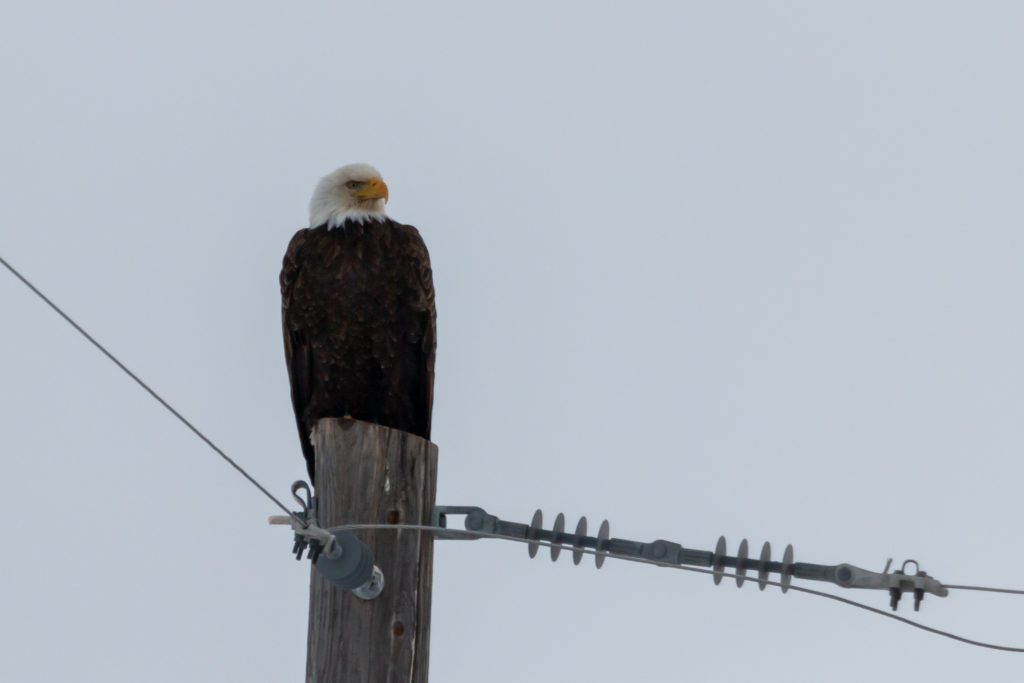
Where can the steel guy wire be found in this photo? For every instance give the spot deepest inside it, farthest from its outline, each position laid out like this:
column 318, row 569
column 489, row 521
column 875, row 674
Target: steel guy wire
column 151, row 392
column 474, row 534
column 697, row 570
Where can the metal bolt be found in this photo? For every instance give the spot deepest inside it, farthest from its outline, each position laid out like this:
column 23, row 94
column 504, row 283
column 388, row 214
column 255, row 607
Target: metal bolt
column 372, row 588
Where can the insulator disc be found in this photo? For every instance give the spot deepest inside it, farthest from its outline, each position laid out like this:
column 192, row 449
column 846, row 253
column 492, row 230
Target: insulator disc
column 556, row 549
column 602, row 543
column 741, row 569
column 577, row 541
column 716, row 560
column 762, row 571
column 787, row 568
column 536, row 525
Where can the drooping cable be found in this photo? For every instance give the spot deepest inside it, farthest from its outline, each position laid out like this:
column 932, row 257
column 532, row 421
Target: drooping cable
column 697, row 570
column 474, row 534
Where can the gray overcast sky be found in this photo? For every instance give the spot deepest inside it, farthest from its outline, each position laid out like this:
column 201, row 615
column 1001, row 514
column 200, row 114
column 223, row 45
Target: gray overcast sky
column 747, row 268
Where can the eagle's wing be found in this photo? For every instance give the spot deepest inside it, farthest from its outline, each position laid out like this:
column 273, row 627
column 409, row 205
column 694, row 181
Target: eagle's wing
column 297, row 351
column 428, row 342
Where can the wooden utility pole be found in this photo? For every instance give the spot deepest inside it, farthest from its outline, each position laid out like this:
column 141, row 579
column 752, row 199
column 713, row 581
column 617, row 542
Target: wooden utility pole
column 366, row 473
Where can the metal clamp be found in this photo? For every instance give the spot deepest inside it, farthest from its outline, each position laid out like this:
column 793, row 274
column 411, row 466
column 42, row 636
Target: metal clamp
column 897, row 582
column 337, row 554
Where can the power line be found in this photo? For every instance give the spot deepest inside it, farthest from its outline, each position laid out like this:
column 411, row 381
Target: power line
column 698, row 570
column 145, row 386
column 1011, row 591
column 476, row 534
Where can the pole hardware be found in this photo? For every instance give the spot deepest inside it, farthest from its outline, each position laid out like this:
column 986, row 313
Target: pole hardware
column 337, row 554
column 897, row 582
column 666, row 552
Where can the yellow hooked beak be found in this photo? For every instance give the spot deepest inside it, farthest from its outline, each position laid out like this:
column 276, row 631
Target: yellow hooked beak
column 374, row 189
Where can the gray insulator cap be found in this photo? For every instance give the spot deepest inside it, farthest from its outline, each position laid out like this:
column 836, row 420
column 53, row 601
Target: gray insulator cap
column 352, row 567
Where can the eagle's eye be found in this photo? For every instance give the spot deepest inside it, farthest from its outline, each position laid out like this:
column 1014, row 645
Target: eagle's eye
column 354, row 184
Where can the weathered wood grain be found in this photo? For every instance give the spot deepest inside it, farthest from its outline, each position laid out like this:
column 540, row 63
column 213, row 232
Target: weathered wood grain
column 366, row 473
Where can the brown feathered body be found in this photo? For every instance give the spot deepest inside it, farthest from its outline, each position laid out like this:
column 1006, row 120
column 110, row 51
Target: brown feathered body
column 359, row 326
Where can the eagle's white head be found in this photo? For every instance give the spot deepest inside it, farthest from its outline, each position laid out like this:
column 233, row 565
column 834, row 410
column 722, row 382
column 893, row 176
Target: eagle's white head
column 354, row 192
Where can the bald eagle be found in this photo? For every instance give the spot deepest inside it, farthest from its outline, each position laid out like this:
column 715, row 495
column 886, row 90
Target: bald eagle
column 357, row 305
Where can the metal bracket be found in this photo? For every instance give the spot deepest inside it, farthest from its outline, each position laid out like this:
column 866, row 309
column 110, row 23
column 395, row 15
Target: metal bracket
column 897, row 582
column 439, row 520
column 338, row 555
